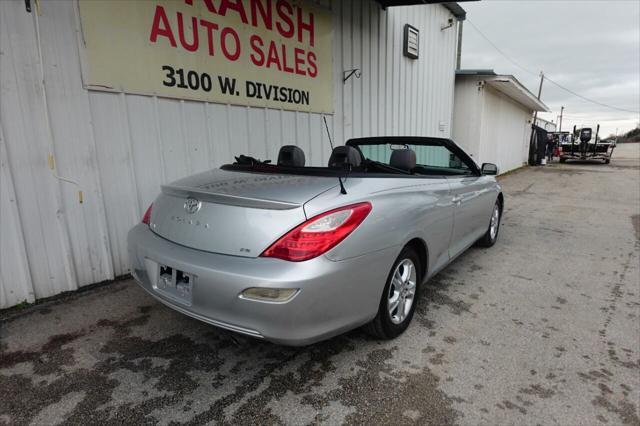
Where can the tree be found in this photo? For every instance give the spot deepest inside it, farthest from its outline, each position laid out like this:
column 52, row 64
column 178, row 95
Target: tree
column 632, row 135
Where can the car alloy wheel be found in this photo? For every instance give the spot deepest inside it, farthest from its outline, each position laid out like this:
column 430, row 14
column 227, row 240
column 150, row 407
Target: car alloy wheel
column 491, row 235
column 402, row 291
column 495, row 222
column 399, row 298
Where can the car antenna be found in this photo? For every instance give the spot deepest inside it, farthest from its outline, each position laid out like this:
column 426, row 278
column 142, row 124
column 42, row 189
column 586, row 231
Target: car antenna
column 326, row 126
column 343, row 190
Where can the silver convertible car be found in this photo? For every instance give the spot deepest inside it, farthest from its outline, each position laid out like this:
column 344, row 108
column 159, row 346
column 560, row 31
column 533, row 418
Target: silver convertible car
column 296, row 254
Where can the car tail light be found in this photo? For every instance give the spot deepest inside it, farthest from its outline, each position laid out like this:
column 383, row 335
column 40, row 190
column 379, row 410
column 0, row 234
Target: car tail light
column 147, row 215
column 318, row 234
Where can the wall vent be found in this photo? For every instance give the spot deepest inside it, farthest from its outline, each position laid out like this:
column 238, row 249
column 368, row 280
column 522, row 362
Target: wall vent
column 411, row 41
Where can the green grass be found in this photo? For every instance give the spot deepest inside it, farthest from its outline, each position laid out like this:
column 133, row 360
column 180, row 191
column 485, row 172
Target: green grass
column 22, row 305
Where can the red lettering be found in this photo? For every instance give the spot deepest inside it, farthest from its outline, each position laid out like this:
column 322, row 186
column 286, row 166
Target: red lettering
column 194, row 26
column 233, row 5
column 160, row 17
column 257, row 7
column 210, row 26
column 273, row 56
column 298, row 54
column 312, row 69
column 208, row 3
column 256, row 44
column 305, row 26
column 284, row 60
column 223, row 43
column 285, row 17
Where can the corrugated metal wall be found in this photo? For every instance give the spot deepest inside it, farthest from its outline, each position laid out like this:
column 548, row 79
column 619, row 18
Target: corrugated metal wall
column 490, row 126
column 467, row 115
column 119, row 148
column 505, row 131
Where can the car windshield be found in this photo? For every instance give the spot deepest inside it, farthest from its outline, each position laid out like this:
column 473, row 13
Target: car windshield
column 430, row 159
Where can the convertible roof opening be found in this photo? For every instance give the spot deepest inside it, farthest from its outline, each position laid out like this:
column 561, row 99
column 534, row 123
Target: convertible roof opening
column 385, row 156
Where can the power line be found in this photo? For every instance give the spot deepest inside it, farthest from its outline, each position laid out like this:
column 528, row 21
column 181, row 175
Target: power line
column 507, row 57
column 590, row 100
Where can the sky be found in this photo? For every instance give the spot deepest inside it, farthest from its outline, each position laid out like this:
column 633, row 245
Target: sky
column 589, row 47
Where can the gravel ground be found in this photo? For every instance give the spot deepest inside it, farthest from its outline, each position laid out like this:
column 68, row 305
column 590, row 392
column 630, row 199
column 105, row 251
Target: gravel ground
column 541, row 329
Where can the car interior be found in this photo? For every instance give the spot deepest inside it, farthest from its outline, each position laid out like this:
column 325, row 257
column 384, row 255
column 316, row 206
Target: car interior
column 373, row 157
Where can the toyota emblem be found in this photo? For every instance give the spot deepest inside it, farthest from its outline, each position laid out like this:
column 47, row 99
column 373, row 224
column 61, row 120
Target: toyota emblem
column 192, row 205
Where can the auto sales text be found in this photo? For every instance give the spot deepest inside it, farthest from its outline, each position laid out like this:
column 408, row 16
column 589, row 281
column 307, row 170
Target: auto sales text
column 291, row 49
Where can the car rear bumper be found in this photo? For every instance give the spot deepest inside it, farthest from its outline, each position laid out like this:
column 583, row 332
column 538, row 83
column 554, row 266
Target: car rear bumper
column 333, row 297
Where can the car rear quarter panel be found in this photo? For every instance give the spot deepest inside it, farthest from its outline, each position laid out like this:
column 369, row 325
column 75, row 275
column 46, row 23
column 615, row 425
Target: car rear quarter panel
column 403, row 209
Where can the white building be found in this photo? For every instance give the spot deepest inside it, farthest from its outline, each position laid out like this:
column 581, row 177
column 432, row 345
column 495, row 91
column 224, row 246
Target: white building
column 92, row 122
column 492, row 117
column 547, row 125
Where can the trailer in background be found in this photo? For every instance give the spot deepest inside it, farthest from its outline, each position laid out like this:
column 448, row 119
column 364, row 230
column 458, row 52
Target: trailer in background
column 583, row 145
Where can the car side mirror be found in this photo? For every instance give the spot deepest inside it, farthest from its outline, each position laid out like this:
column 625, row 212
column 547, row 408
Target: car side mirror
column 489, row 169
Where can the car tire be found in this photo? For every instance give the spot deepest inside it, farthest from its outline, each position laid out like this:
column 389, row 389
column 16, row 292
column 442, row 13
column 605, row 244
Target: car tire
column 607, row 161
column 390, row 322
column 563, row 160
column 491, row 236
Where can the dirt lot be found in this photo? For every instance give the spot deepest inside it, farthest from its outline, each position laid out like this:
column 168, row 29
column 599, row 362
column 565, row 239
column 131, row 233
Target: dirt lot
column 544, row 328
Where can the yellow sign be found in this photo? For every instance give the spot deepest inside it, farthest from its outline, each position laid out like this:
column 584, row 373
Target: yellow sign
column 266, row 53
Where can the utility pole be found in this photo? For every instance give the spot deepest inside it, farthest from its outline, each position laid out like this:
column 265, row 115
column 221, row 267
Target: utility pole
column 561, row 111
column 533, row 147
column 535, row 115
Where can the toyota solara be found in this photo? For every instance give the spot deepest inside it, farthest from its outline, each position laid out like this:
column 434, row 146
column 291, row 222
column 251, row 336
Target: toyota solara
column 296, row 254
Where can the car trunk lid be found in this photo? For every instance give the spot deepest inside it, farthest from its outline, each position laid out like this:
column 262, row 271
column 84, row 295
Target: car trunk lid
column 233, row 213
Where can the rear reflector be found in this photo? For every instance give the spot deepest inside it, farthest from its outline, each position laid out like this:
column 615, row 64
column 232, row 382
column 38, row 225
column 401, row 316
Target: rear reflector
column 319, row 234
column 147, row 215
column 263, row 294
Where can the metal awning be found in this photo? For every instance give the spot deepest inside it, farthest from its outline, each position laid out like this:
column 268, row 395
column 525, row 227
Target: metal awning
column 508, row 85
column 512, row 88
column 453, row 7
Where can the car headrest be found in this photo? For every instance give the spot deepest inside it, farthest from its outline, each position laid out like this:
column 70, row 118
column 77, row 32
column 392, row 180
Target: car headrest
column 403, row 159
column 344, row 156
column 291, row 156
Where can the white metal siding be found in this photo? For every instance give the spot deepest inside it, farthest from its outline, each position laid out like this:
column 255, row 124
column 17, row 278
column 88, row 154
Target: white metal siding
column 15, row 280
column 120, row 148
column 467, row 115
column 489, row 125
column 504, row 137
column 547, row 125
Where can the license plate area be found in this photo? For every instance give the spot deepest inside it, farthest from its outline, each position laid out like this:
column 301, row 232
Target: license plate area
column 174, row 284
